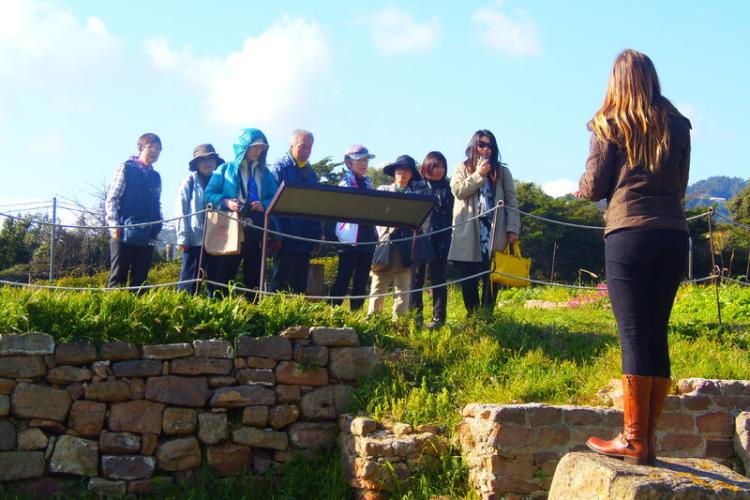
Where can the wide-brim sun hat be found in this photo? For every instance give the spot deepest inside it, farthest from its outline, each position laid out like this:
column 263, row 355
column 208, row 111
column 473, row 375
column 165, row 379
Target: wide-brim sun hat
column 203, row 151
column 357, row 152
column 403, row 161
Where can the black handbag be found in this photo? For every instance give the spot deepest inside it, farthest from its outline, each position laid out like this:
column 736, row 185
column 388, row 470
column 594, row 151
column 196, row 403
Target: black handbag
column 382, row 256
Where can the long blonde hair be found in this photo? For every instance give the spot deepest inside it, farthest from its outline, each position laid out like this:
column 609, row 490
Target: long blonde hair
column 634, row 114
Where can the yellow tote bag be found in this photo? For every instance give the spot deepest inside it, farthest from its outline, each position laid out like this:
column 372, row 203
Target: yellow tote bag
column 514, row 267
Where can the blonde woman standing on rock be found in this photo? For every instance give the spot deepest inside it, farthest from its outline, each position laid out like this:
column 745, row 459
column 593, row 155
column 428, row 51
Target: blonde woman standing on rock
column 639, row 161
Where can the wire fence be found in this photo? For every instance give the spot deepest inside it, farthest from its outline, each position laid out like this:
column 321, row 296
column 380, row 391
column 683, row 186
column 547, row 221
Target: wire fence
column 10, row 213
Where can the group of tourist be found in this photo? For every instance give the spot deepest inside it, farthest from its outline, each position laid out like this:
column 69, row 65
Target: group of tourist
column 247, row 184
column 638, row 161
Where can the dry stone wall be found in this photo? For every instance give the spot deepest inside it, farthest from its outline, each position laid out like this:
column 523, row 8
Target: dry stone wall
column 377, row 456
column 514, row 449
column 131, row 417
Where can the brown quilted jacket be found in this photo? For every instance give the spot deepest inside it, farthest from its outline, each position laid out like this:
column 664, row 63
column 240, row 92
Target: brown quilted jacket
column 637, row 198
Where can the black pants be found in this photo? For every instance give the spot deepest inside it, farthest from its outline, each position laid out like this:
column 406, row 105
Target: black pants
column 250, row 255
column 189, row 269
column 290, row 271
column 470, row 288
column 437, row 271
column 352, row 263
column 644, row 269
column 128, row 259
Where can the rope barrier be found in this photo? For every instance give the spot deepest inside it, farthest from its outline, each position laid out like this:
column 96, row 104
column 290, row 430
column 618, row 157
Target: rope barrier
column 732, row 221
column 74, row 226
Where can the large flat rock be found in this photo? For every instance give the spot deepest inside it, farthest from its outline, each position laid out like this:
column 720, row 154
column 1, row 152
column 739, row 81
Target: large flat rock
column 588, row 475
column 27, row 344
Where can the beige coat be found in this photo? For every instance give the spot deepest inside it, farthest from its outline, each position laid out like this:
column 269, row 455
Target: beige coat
column 465, row 245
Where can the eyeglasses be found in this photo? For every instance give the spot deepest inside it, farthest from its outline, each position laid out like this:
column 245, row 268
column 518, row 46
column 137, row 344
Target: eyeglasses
column 483, row 145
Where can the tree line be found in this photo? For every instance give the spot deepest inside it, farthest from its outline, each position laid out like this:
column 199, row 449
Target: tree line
column 559, row 253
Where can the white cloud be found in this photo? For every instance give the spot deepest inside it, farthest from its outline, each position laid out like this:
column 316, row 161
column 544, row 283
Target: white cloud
column 559, row 187
column 394, row 31
column 514, row 36
column 280, row 74
column 42, row 42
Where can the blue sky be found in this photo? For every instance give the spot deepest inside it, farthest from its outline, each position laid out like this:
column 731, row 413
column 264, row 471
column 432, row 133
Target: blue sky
column 81, row 80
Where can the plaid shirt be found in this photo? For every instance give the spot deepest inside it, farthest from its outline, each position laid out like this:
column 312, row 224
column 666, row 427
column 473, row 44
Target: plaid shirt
column 116, row 188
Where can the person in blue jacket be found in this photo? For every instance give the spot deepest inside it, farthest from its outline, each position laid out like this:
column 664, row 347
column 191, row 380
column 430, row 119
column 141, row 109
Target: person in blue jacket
column 244, row 185
column 292, row 260
column 190, row 200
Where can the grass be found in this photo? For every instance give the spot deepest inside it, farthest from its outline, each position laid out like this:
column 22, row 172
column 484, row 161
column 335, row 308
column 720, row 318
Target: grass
column 561, row 355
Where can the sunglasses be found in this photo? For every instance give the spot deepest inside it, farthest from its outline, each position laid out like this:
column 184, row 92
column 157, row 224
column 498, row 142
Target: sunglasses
column 483, row 145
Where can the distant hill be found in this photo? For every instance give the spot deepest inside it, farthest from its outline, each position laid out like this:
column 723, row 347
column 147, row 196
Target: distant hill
column 716, row 190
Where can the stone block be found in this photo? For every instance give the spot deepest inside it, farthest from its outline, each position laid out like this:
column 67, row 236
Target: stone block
column 229, row 459
column 521, row 467
column 263, row 376
column 361, row 426
column 128, row 467
column 180, row 391
column 201, row 366
column 733, row 402
column 676, row 422
column 581, row 416
column 318, row 404
column 696, row 402
column 256, row 416
column 178, row 454
column 167, row 351
column 107, row 391
column 37, row 401
column 16, row 465
column 261, row 462
column 101, row 369
column 588, row 475
column 213, row 348
column 87, row 417
column 542, row 415
column 212, row 427
column 29, row 440
column 107, row 488
column 288, row 393
column 141, row 417
column 334, row 337
column 23, row 367
column 4, row 405
column 699, row 386
column 27, row 344
column 352, row 363
column 296, row 332
column 282, row 415
column 44, row 487
column 255, row 362
column 8, row 436
column 148, row 443
column 214, row 382
column 552, row 437
column 718, row 424
column 311, row 355
column 75, row 455
column 292, row 373
column 47, row 425
column 260, row 438
column 273, row 347
column 313, row 435
column 719, row 448
column 513, row 437
column 239, row 396
column 119, row 351
column 179, row 421
column 342, row 395
column 742, row 438
column 119, row 443
column 137, row 368
column 66, row 374
column 75, row 353
column 6, row 385
column 676, row 442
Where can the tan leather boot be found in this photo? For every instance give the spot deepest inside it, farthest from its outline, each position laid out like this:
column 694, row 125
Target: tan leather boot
column 632, row 443
column 659, row 389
